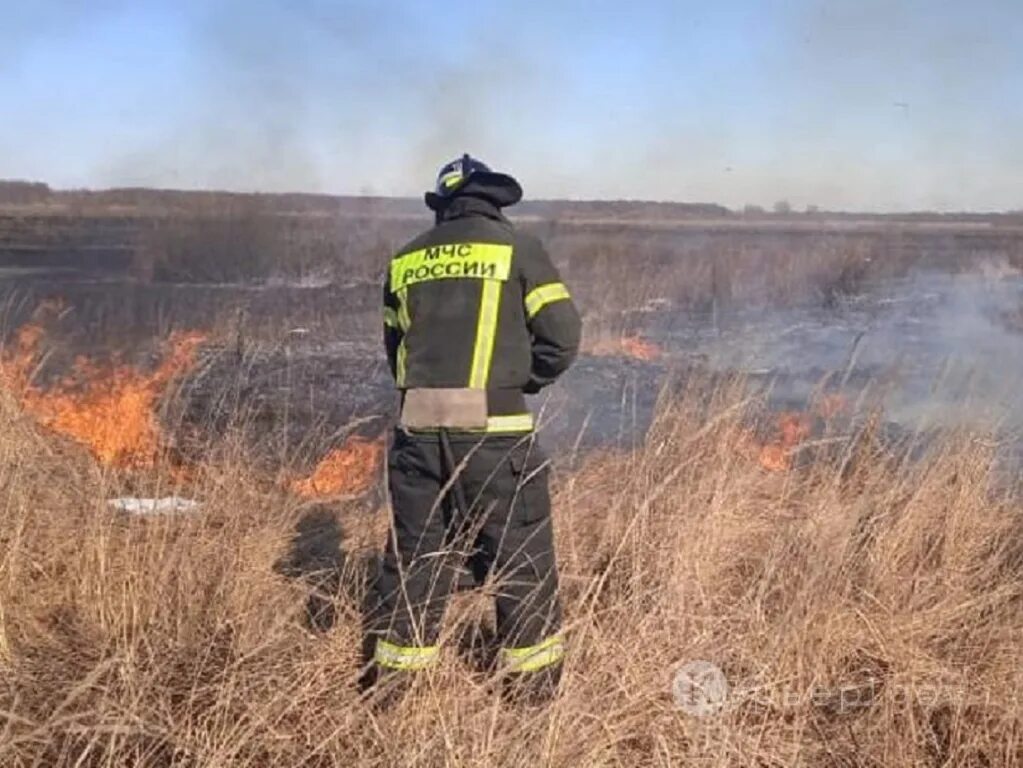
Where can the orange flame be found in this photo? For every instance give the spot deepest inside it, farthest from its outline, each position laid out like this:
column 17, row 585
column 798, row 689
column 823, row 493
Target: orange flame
column 628, row 346
column 346, row 471
column 633, row 346
column 793, row 428
column 109, row 409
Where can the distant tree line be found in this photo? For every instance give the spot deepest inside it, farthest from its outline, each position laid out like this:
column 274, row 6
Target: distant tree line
column 24, row 192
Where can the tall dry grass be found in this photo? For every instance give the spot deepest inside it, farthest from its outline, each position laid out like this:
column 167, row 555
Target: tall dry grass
column 866, row 610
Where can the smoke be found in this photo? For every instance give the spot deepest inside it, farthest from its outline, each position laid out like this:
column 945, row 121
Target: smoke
column 937, row 348
column 972, row 347
column 246, row 120
column 318, row 96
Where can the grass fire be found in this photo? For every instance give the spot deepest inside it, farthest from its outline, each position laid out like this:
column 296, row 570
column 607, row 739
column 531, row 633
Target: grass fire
column 349, row 470
column 627, row 346
column 784, row 532
column 793, row 428
column 110, row 409
column 511, row 385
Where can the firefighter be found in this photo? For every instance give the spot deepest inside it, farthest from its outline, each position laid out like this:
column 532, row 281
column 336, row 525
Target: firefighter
column 475, row 317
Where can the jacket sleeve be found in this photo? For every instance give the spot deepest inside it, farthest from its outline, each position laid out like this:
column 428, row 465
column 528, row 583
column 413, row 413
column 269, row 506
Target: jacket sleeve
column 551, row 316
column 392, row 327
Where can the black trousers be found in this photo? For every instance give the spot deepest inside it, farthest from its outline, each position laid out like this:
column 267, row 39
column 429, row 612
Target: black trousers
column 467, row 498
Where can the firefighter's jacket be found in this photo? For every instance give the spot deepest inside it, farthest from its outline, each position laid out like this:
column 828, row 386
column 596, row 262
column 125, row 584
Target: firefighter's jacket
column 474, row 304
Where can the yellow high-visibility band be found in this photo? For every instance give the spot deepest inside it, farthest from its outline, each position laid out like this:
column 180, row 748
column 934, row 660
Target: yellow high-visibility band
column 404, row 323
column 451, row 179
column 401, row 364
column 390, row 317
column 402, row 315
column 478, row 261
column 520, row 422
column 406, row 657
column 486, row 332
column 535, row 657
column 542, row 295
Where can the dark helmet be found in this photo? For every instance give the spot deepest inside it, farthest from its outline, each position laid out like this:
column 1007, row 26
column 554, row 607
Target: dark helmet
column 469, row 176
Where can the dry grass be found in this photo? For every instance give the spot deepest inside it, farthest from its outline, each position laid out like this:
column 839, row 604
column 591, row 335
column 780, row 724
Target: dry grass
column 866, row 610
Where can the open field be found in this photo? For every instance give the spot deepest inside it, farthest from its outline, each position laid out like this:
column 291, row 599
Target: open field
column 691, row 253
column 790, row 451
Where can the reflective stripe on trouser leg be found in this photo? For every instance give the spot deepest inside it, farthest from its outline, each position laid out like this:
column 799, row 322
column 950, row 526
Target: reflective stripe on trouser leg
column 411, row 589
column 522, row 539
column 405, row 657
column 532, row 658
column 486, row 332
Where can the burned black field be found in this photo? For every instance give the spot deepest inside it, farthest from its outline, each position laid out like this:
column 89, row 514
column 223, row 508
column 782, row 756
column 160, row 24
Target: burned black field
column 916, row 320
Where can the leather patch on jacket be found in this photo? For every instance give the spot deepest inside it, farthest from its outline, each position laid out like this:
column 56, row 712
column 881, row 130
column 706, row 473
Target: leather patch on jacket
column 444, row 409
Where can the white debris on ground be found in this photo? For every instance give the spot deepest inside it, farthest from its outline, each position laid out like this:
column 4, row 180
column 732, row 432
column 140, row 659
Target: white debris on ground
column 142, row 506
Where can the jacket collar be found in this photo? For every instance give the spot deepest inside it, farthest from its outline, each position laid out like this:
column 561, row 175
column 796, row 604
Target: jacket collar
column 465, row 206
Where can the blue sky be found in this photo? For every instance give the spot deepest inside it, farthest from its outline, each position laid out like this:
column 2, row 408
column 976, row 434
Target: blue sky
column 854, row 104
